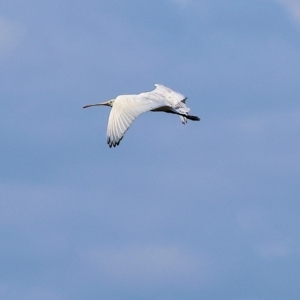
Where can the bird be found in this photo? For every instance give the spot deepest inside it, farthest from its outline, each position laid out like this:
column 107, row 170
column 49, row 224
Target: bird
column 126, row 108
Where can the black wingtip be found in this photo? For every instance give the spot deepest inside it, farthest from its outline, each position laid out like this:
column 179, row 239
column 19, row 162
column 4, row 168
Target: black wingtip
column 112, row 143
column 193, row 118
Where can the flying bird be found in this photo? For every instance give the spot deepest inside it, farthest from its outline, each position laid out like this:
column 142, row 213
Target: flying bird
column 126, row 108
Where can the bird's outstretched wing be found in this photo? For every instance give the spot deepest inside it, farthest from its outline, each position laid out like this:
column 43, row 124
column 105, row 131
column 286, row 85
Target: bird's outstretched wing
column 125, row 110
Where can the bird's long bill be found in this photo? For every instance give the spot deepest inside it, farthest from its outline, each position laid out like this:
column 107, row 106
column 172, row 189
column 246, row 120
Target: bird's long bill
column 97, row 104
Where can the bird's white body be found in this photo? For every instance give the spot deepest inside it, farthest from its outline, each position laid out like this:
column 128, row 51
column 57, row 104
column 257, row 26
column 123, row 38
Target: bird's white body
column 125, row 108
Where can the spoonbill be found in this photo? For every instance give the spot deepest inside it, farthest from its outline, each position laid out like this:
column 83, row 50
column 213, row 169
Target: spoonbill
column 126, row 108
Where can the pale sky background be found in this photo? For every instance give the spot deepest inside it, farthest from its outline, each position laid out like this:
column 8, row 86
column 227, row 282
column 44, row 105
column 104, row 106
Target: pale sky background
column 209, row 210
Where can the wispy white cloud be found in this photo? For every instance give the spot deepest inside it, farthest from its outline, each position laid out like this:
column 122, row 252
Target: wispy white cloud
column 10, row 35
column 293, row 8
column 149, row 265
column 181, row 2
column 278, row 249
column 15, row 291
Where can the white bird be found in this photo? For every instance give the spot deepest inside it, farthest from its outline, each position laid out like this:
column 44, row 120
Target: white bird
column 125, row 108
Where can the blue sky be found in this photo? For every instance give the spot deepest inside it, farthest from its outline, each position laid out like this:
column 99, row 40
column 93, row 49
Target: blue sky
column 209, row 210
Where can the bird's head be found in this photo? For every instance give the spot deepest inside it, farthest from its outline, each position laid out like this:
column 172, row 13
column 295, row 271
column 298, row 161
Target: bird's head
column 106, row 103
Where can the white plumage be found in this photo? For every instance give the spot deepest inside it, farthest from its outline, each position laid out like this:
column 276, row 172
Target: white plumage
column 126, row 108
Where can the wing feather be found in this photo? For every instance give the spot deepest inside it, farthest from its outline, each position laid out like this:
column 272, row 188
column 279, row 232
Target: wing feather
column 125, row 110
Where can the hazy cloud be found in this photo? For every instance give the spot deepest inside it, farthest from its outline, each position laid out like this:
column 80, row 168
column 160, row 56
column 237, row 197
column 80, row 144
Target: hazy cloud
column 181, row 2
column 10, row 35
column 150, row 266
column 274, row 250
column 293, row 9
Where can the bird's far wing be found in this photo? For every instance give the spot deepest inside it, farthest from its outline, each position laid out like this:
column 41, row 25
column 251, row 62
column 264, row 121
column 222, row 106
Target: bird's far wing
column 182, row 109
column 124, row 111
column 177, row 100
column 169, row 94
